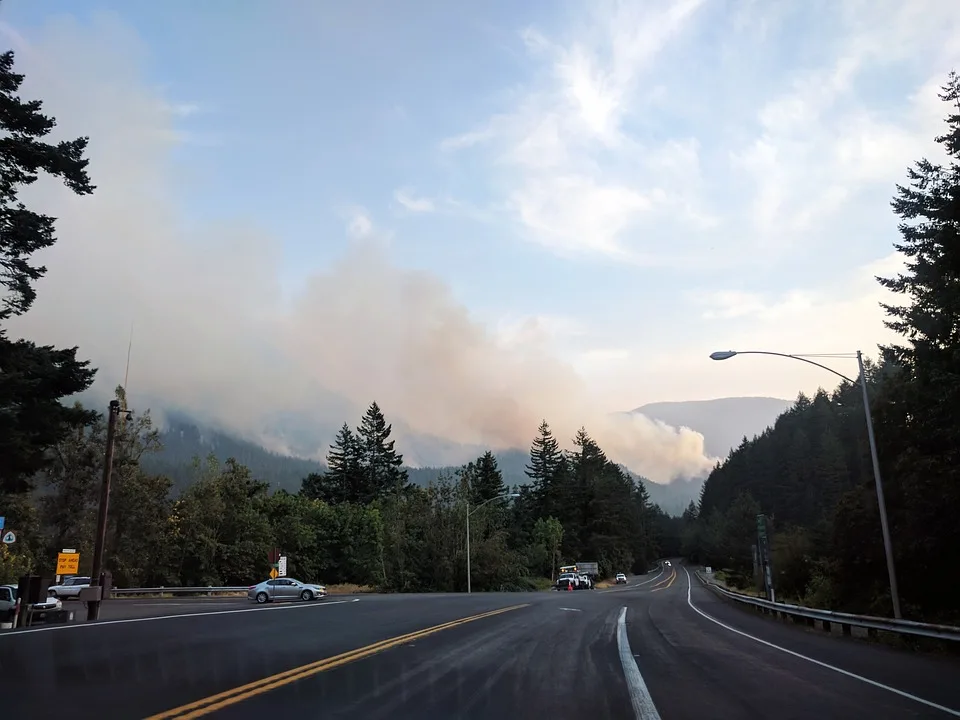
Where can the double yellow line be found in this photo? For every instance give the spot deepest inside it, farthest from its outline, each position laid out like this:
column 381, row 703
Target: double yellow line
column 224, row 699
column 668, row 580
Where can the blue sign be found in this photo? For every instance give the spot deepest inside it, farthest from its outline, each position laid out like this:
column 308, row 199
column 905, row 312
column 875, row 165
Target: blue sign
column 2, row 521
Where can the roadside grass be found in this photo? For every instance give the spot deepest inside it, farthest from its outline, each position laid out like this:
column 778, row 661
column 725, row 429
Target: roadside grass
column 349, row 589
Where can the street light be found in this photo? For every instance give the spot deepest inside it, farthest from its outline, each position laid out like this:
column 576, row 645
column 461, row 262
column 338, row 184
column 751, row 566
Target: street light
column 884, row 526
column 469, row 511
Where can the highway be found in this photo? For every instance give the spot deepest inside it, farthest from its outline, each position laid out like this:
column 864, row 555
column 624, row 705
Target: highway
column 661, row 647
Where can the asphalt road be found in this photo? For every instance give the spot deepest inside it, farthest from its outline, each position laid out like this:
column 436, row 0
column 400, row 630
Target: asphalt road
column 667, row 649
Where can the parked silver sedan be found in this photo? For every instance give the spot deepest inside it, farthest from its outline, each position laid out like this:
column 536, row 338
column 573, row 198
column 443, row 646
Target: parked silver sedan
column 285, row 589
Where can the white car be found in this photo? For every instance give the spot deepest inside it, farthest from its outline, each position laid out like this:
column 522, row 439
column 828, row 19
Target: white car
column 8, row 601
column 621, row 579
column 69, row 588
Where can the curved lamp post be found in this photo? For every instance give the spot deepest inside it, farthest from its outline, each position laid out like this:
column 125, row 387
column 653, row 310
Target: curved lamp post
column 884, row 526
column 469, row 512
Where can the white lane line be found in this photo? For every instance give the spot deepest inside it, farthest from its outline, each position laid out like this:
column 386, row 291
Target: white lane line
column 861, row 678
column 571, row 609
column 643, row 707
column 632, row 587
column 101, row 623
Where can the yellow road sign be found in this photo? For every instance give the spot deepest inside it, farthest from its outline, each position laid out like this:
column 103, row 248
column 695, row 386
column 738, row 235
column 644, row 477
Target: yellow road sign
column 68, row 563
column 273, row 573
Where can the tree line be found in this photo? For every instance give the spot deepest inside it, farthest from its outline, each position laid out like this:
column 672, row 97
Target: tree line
column 360, row 522
column 811, row 472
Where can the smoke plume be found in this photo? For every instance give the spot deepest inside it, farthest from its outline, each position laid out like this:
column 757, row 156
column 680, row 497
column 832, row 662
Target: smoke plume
column 216, row 335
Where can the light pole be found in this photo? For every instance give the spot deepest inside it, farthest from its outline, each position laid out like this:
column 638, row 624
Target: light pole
column 469, row 511
column 881, row 503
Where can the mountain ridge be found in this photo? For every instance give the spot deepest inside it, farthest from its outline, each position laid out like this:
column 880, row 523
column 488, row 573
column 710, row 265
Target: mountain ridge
column 184, row 438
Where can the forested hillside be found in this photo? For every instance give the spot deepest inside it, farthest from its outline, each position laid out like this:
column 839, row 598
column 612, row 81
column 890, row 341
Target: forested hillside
column 812, row 472
column 182, row 442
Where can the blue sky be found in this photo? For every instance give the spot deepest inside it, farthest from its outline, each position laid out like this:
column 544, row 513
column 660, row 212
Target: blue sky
column 621, row 187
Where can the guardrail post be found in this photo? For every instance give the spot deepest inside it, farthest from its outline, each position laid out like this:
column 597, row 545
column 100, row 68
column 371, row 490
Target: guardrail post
column 846, row 629
column 826, row 626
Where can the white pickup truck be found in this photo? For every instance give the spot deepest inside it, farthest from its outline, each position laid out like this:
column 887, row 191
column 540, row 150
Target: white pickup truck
column 577, row 581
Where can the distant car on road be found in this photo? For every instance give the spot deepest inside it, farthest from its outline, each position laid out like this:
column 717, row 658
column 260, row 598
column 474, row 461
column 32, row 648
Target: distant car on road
column 69, row 588
column 621, row 579
column 285, row 589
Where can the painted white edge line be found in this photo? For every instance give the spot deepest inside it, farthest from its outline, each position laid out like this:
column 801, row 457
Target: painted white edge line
column 633, row 587
column 861, row 678
column 643, row 707
column 101, row 623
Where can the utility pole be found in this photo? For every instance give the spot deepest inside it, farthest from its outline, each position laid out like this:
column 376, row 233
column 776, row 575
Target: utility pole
column 468, row 546
column 113, row 413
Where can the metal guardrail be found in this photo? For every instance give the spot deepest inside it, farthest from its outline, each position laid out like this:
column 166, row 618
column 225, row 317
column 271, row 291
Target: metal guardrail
column 132, row 592
column 845, row 620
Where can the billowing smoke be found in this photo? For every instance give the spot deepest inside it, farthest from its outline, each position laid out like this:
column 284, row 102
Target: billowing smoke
column 214, row 334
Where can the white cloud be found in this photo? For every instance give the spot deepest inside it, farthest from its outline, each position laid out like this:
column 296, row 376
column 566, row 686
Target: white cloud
column 584, row 170
column 558, row 191
column 360, row 225
column 413, row 203
column 822, row 142
column 466, row 140
column 185, row 109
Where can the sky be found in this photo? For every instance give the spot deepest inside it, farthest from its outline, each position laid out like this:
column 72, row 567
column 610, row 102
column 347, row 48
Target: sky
column 479, row 215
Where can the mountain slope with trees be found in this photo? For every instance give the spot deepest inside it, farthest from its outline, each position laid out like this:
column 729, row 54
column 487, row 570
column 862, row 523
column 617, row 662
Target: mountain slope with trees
column 812, row 473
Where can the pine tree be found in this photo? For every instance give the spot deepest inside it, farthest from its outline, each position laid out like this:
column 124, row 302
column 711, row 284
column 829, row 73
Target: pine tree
column 548, row 469
column 344, row 479
column 929, row 208
column 930, row 211
column 923, row 480
column 487, row 479
column 545, row 456
column 33, row 379
column 380, row 464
